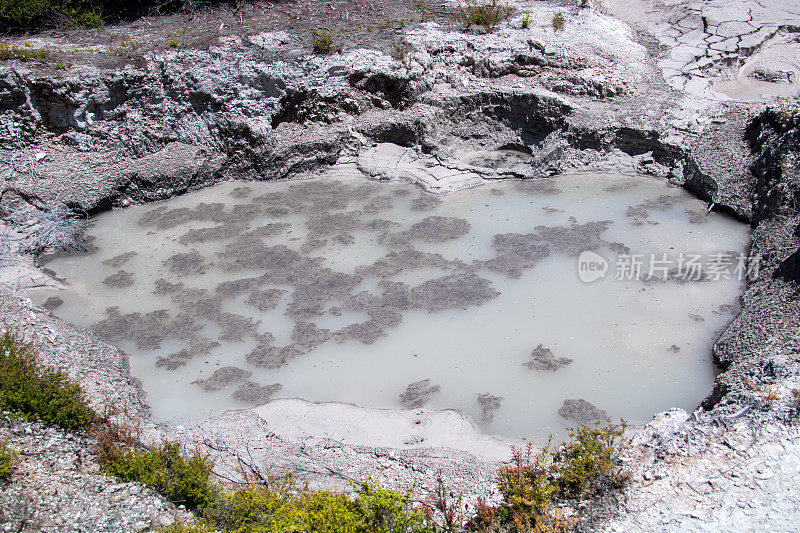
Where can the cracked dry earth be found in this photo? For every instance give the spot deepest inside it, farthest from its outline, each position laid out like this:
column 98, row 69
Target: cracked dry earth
column 699, row 94
column 720, row 43
column 746, row 480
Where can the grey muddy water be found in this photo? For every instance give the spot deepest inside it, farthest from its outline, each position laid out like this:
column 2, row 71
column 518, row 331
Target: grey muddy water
column 343, row 289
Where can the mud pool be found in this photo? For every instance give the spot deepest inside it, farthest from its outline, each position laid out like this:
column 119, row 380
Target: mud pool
column 339, row 288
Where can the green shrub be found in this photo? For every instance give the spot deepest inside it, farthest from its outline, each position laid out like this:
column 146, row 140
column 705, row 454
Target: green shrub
column 586, row 463
column 33, row 15
column 282, row 506
column 82, row 14
column 22, row 12
column 526, row 21
column 321, row 41
column 527, row 486
column 558, row 21
column 584, row 466
column 179, row 478
column 36, row 391
column 268, row 509
column 489, row 15
column 30, row 14
column 7, row 458
column 387, row 510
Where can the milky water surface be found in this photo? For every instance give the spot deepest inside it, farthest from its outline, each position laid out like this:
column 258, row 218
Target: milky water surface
column 383, row 296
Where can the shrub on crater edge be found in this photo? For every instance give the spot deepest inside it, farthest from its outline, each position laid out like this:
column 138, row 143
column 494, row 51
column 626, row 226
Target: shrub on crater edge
column 488, row 15
column 36, row 391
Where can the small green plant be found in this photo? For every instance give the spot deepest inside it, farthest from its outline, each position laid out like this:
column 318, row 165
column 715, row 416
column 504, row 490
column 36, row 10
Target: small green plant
column 558, row 21
column 321, row 41
column 445, row 505
column 61, row 65
column 769, row 396
column 400, row 50
column 36, row 391
column 126, row 47
column 133, row 45
column 489, row 15
column 526, row 21
column 183, row 479
column 172, row 40
column 7, row 459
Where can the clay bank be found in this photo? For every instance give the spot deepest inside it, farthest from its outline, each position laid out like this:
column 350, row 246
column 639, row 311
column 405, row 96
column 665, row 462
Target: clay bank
column 398, row 259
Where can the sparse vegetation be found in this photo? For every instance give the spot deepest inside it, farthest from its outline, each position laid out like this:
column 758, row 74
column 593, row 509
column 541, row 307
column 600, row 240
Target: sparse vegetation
column 24, row 53
column 172, row 37
column 488, row 15
column 558, row 21
column 445, row 505
column 126, row 47
column 283, row 506
column 583, row 3
column 183, row 479
column 400, row 50
column 769, row 397
column 36, row 391
column 322, row 41
column 7, row 458
column 30, row 14
column 533, row 483
column 33, row 15
column 526, row 21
